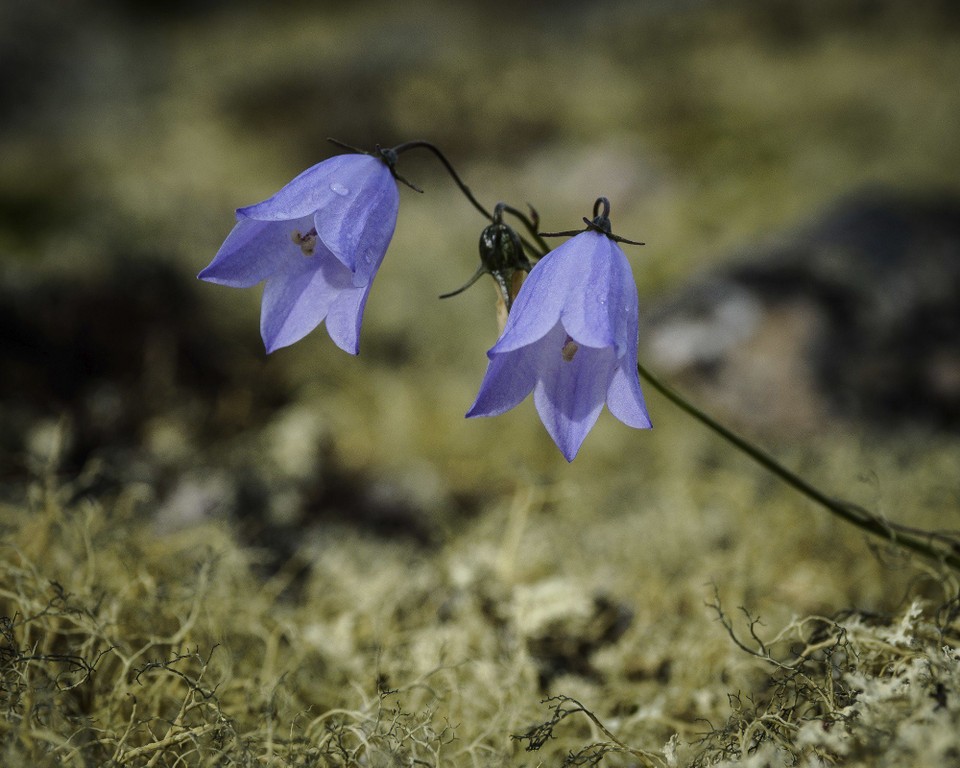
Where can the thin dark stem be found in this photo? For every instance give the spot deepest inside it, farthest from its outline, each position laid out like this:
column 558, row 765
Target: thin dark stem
column 536, row 251
column 420, row 144
column 935, row 546
column 542, row 248
column 476, row 276
column 344, row 145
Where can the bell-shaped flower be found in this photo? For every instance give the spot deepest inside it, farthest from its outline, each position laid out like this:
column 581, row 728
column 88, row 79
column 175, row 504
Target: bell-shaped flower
column 571, row 338
column 318, row 244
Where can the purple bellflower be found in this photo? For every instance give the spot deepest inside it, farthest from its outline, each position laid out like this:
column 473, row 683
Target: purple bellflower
column 318, row 244
column 571, row 337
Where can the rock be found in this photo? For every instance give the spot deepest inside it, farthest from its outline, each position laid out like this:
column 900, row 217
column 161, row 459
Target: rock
column 855, row 315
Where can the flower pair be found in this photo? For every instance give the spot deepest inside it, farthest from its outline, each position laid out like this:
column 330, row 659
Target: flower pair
column 570, row 337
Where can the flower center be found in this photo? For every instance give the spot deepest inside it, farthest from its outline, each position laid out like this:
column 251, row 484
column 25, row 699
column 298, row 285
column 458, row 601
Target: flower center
column 569, row 349
column 307, row 242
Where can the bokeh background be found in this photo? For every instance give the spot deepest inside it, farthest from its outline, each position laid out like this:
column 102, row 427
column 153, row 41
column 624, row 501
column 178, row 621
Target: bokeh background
column 792, row 167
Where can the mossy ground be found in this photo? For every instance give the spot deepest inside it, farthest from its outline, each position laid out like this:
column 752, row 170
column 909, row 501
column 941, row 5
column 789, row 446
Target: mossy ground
column 213, row 558
column 127, row 645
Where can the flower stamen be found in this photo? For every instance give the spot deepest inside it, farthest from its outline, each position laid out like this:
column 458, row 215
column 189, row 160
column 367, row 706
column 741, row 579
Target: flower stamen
column 307, row 242
column 569, row 349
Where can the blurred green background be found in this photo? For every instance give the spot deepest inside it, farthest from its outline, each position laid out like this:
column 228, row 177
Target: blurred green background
column 132, row 130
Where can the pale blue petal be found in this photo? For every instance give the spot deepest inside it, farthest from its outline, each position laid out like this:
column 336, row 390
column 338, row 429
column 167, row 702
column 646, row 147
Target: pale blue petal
column 333, row 181
column 536, row 309
column 295, row 302
column 345, row 316
column 597, row 272
column 581, row 283
column 254, row 251
column 357, row 226
column 627, row 314
column 625, row 399
column 569, row 394
column 510, row 377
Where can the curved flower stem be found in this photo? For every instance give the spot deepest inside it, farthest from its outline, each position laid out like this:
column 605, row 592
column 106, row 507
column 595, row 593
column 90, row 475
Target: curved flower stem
column 421, row 144
column 537, row 251
column 936, row 546
column 541, row 249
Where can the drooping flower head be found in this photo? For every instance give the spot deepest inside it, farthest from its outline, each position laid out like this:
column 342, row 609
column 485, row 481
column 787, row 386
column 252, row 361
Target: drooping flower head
column 571, row 338
column 318, row 244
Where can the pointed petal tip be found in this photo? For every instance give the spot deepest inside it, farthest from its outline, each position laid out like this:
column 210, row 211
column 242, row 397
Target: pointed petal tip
column 569, row 448
column 209, row 275
column 273, row 342
column 569, row 445
column 214, row 279
column 272, row 345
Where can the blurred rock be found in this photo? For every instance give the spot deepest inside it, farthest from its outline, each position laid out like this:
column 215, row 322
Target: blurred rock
column 113, row 350
column 122, row 374
column 195, row 500
column 856, row 315
column 563, row 626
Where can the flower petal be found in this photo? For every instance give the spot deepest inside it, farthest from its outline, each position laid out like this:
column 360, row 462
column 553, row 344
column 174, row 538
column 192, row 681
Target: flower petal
column 253, row 251
column 598, row 310
column 296, row 301
column 569, row 394
column 357, row 227
column 510, row 377
column 536, row 309
column 626, row 318
column 585, row 283
column 345, row 316
column 326, row 183
column 625, row 399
